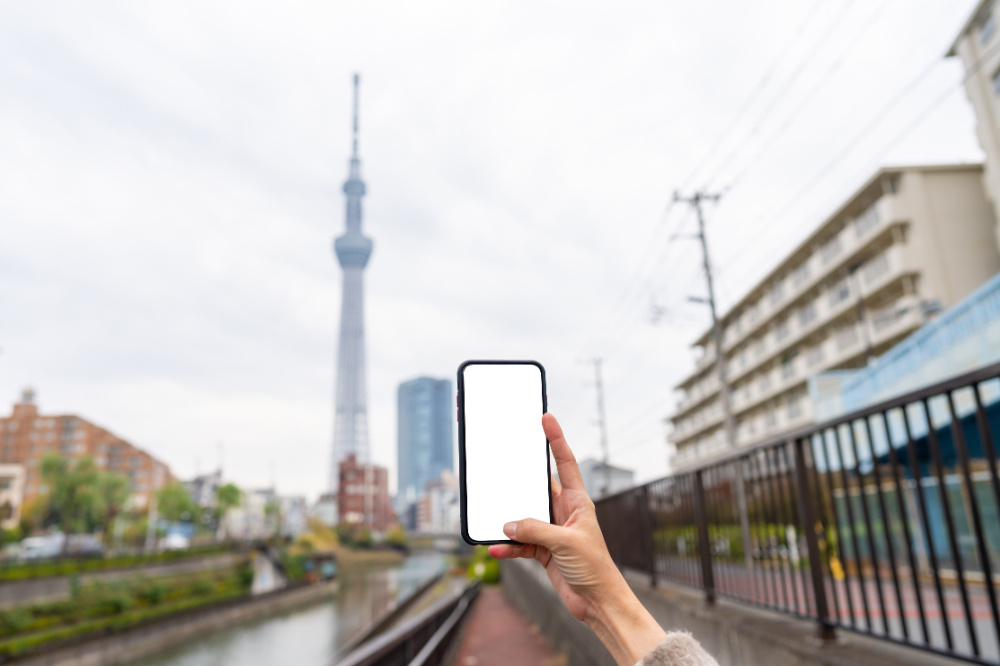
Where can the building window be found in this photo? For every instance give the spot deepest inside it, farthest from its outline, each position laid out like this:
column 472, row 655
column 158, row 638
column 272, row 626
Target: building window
column 847, row 337
column 777, row 292
column 781, row 330
column 765, row 381
column 839, row 293
column 867, row 221
column 986, row 29
column 886, row 318
column 875, row 268
column 794, row 407
column 807, row 314
column 830, row 249
column 788, row 366
column 801, row 274
column 814, row 356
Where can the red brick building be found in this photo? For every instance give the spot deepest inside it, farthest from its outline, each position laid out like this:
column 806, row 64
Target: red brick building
column 363, row 495
column 26, row 436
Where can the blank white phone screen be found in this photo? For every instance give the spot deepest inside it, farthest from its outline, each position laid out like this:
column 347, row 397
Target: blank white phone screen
column 506, row 455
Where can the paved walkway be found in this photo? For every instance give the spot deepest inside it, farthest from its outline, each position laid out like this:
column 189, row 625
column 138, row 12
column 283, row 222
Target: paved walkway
column 497, row 635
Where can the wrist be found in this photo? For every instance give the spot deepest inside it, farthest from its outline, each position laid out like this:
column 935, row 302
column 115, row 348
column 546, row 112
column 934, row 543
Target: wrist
column 623, row 624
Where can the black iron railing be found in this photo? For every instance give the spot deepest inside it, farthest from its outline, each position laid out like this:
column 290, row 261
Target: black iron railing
column 424, row 640
column 885, row 521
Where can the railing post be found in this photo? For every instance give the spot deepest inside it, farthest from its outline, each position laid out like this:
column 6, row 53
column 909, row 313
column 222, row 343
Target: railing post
column 648, row 538
column 827, row 631
column 704, row 547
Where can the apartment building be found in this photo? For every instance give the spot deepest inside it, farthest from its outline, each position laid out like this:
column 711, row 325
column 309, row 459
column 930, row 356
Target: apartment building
column 363, row 495
column 910, row 242
column 978, row 45
column 11, row 495
column 27, row 435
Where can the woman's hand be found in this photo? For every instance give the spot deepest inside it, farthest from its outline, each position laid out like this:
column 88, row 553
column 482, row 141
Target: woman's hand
column 577, row 561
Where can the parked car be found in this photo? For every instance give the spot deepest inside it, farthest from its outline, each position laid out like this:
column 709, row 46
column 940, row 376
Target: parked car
column 42, row 547
column 56, row 545
column 175, row 542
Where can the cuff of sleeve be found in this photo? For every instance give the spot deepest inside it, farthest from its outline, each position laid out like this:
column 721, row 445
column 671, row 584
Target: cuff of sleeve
column 679, row 648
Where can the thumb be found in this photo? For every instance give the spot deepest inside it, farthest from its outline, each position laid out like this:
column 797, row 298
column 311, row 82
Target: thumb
column 534, row 531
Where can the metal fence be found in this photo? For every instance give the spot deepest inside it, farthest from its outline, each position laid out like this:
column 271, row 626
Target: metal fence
column 424, row 640
column 885, row 521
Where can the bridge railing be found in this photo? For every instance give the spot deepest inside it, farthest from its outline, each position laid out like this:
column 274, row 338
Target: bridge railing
column 424, row 640
column 885, row 521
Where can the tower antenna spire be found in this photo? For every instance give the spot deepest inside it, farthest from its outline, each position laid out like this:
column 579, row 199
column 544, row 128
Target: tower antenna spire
column 357, row 81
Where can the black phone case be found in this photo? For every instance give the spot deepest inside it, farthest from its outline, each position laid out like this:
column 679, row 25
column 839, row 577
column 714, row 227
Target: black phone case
column 461, row 447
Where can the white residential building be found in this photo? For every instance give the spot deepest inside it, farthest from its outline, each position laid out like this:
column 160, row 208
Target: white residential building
column 978, row 45
column 596, row 476
column 11, row 495
column 911, row 241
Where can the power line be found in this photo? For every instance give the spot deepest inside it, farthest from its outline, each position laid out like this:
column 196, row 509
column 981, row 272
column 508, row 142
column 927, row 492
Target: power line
column 853, row 144
column 817, row 47
column 620, row 324
column 821, row 82
column 634, row 279
column 755, row 93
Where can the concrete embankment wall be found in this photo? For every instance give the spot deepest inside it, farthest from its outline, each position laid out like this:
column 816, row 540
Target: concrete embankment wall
column 736, row 635
column 54, row 588
column 145, row 640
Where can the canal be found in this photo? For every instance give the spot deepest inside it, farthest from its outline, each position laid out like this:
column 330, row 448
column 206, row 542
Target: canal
column 308, row 636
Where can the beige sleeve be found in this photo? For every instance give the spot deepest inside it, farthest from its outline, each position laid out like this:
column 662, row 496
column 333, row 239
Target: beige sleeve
column 679, row 648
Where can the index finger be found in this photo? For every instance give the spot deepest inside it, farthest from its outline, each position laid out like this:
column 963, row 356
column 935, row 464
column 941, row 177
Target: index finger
column 569, row 471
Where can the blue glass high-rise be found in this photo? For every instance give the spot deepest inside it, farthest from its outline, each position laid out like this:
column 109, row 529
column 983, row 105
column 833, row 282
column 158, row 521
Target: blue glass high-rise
column 425, row 426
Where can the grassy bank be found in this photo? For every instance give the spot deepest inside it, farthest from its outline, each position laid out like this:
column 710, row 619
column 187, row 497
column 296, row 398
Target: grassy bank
column 98, row 608
column 70, row 566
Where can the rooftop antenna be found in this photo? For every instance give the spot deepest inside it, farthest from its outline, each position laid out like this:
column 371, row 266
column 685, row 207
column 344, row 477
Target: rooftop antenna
column 357, row 81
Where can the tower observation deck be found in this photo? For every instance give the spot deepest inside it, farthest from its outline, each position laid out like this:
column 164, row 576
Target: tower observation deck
column 350, row 430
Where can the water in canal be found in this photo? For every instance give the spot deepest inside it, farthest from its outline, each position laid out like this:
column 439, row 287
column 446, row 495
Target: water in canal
column 308, row 636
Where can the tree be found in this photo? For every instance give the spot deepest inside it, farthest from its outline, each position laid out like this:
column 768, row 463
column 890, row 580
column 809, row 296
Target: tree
column 174, row 503
column 113, row 491
column 72, row 500
column 80, row 497
column 227, row 497
column 272, row 515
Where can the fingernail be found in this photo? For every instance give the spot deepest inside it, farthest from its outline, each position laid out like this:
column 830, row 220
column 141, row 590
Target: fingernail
column 510, row 529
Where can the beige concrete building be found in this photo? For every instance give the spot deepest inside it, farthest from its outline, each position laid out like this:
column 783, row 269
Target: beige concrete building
column 911, row 241
column 11, row 495
column 978, row 44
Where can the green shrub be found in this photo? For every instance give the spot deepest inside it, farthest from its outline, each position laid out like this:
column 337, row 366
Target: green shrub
column 153, row 594
column 484, row 567
column 244, row 575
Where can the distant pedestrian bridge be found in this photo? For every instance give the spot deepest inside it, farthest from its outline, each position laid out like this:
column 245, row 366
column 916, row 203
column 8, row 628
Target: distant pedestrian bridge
column 445, row 542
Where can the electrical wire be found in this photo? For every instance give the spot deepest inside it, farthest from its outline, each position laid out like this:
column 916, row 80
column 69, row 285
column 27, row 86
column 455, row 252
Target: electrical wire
column 821, row 82
column 757, row 90
column 796, row 73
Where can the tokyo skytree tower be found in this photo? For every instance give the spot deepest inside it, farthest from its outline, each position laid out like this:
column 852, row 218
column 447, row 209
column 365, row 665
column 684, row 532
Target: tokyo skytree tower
column 350, row 430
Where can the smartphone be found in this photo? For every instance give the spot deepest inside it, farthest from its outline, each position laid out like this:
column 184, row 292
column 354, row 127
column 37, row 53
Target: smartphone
column 503, row 456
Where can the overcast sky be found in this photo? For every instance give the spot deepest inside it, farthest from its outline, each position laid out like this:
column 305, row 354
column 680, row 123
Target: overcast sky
column 170, row 180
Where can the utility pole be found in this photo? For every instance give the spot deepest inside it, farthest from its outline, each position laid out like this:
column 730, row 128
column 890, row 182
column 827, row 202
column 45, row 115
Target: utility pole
column 602, row 422
column 695, row 200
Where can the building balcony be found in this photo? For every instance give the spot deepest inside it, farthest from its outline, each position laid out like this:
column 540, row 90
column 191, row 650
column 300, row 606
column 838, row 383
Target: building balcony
column 874, row 277
column 886, row 212
column 697, row 394
column 686, row 430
